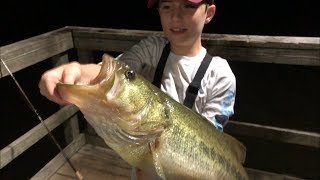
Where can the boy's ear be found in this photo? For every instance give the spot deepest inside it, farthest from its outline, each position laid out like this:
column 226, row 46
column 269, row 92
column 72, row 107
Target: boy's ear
column 210, row 13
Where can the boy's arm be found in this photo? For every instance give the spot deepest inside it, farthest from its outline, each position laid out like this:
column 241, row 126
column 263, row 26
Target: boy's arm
column 220, row 98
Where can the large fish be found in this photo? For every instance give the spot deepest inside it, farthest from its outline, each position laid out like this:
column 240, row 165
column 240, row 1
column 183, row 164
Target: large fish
column 151, row 131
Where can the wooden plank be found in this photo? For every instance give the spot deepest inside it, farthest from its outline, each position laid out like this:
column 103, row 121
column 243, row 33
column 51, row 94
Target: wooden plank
column 59, row 59
column 249, row 41
column 274, row 133
column 71, row 129
column 96, row 163
column 109, row 33
column 255, row 174
column 209, row 38
column 49, row 169
column 21, row 144
column 85, row 56
column 267, row 55
column 27, row 52
column 61, row 177
column 252, row 48
column 95, row 140
column 113, row 45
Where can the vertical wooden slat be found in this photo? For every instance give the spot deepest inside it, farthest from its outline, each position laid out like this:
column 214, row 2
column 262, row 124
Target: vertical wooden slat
column 85, row 56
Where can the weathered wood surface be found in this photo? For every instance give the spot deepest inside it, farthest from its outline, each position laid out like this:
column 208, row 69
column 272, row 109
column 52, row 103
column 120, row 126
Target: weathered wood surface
column 53, row 166
column 255, row 174
column 27, row 52
column 248, row 48
column 276, row 134
column 21, row 144
column 93, row 162
column 98, row 163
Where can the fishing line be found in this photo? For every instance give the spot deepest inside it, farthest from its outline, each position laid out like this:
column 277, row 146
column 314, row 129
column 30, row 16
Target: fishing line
column 79, row 176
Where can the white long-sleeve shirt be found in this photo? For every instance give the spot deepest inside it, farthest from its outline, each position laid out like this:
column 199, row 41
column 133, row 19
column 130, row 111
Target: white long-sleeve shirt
column 216, row 96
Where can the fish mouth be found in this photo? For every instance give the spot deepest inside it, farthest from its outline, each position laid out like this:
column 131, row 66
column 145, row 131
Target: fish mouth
column 98, row 101
column 82, row 94
column 107, row 70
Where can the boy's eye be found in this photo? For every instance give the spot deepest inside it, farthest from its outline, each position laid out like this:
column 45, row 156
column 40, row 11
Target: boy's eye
column 164, row 6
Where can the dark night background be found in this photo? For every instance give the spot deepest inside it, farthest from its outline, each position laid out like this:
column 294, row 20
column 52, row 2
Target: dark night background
column 279, row 95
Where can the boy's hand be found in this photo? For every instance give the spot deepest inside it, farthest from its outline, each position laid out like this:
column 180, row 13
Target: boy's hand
column 71, row 73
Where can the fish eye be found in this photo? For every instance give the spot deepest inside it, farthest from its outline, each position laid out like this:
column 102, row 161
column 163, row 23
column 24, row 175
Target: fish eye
column 130, row 74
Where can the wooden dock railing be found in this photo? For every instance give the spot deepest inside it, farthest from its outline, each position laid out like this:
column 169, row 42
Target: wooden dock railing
column 55, row 46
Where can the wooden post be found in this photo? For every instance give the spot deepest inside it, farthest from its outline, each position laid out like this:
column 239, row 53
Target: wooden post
column 85, row 56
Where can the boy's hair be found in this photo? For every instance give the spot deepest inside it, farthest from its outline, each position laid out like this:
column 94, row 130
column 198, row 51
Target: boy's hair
column 152, row 3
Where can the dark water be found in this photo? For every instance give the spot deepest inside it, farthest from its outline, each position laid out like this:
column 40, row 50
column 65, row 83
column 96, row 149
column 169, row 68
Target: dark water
column 280, row 95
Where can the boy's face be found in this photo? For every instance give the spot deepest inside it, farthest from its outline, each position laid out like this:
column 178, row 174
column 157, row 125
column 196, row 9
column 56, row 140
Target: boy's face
column 182, row 21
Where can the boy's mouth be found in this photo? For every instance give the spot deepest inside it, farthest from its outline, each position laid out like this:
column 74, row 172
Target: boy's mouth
column 178, row 30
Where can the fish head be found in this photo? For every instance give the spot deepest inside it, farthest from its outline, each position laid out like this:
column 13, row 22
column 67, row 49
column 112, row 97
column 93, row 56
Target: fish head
column 119, row 98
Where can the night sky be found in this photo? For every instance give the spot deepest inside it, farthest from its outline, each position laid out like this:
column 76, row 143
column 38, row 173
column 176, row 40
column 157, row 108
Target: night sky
column 22, row 19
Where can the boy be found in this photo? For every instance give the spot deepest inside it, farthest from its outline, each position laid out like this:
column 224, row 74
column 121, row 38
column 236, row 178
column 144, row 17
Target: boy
column 182, row 22
column 181, row 55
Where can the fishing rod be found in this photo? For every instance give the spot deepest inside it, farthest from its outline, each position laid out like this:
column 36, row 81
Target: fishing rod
column 77, row 173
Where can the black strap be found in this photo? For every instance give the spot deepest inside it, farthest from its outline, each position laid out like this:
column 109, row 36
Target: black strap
column 194, row 86
column 161, row 64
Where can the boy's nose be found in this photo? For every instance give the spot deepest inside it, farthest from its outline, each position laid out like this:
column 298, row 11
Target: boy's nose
column 176, row 14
